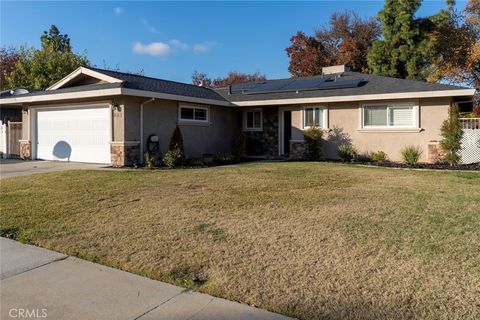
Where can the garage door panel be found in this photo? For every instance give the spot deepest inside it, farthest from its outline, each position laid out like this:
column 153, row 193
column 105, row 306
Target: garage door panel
column 76, row 134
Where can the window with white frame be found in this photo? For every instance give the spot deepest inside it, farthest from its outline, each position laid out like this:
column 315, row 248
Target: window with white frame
column 391, row 116
column 314, row 117
column 193, row 113
column 253, row 119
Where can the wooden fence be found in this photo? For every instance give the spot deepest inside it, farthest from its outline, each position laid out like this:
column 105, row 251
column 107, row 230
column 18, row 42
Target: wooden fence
column 10, row 134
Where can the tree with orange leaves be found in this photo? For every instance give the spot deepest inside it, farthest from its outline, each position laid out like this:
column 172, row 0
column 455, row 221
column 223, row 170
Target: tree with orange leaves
column 458, row 48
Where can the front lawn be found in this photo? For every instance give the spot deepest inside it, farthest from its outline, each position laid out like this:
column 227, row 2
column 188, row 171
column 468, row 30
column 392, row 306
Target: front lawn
column 311, row 240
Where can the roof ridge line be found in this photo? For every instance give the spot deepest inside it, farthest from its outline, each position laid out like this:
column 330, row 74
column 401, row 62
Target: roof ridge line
column 149, row 77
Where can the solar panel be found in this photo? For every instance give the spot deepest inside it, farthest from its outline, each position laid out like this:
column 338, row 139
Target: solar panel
column 298, row 84
column 244, row 86
column 269, row 86
column 302, row 84
column 341, row 84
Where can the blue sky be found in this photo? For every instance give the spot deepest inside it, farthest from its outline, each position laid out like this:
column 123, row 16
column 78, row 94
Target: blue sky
column 172, row 39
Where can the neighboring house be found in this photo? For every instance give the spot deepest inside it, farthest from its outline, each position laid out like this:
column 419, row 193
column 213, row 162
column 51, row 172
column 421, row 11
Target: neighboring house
column 11, row 112
column 10, row 125
column 102, row 116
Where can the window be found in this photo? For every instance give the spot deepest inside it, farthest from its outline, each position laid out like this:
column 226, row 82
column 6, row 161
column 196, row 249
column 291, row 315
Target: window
column 253, row 120
column 314, row 116
column 199, row 114
column 389, row 116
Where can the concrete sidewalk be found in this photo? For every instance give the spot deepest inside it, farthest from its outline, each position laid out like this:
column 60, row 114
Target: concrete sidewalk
column 63, row 287
column 14, row 167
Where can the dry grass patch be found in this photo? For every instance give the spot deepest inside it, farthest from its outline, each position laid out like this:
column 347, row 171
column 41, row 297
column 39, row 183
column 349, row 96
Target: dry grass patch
column 311, row 240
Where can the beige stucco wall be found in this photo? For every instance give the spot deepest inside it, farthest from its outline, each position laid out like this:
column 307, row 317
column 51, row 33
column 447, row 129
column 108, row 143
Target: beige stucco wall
column 344, row 124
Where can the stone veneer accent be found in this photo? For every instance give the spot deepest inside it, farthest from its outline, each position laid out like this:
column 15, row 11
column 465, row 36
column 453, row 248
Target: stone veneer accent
column 124, row 153
column 435, row 152
column 265, row 142
column 297, row 150
column 25, row 149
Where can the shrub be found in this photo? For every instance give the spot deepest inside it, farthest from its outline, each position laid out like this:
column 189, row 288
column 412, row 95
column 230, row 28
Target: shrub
column 149, row 160
column 10, row 233
column 346, row 152
column 476, row 111
column 411, row 154
column 176, row 141
column 379, row 156
column 363, row 157
column 451, row 136
column 313, row 143
column 194, row 162
column 223, row 158
column 239, row 145
column 173, row 158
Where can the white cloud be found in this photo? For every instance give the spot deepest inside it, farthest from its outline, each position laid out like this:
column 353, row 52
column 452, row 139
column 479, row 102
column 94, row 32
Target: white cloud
column 163, row 49
column 149, row 27
column 157, row 49
column 178, row 44
column 203, row 47
column 118, row 10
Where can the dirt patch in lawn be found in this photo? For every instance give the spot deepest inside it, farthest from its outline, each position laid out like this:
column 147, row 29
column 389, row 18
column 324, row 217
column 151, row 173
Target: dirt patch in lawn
column 311, row 240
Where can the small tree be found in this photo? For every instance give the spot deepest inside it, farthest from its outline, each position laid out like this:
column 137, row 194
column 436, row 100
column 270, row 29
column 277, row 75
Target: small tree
column 451, row 136
column 175, row 154
column 176, row 142
column 313, row 143
column 239, row 145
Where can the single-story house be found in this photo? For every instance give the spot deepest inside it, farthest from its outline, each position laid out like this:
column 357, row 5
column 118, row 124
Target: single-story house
column 103, row 116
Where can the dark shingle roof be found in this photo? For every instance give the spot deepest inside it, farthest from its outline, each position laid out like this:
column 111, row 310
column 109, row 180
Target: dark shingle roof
column 133, row 81
column 371, row 84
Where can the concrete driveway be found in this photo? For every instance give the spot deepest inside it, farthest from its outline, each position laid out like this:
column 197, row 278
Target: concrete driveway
column 56, row 286
column 13, row 167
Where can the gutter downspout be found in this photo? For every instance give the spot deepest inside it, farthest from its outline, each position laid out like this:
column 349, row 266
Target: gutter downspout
column 141, row 127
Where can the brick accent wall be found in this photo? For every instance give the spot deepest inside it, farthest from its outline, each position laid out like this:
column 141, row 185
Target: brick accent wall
column 297, row 150
column 124, row 154
column 265, row 142
column 25, row 149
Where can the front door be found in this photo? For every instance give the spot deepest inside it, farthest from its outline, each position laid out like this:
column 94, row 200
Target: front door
column 287, row 131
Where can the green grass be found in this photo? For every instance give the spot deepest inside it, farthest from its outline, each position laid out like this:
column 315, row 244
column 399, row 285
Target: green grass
column 311, row 240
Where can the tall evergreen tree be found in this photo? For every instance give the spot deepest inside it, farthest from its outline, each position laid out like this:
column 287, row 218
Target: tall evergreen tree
column 39, row 69
column 402, row 51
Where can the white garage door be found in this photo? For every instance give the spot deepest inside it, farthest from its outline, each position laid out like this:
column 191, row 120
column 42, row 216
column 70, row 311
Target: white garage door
column 73, row 134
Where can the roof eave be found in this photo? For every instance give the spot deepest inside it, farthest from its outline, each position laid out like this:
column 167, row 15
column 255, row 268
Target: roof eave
column 54, row 96
column 366, row 97
column 167, row 96
column 61, row 96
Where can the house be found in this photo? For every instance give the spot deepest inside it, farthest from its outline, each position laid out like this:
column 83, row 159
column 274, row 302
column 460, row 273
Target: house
column 11, row 112
column 104, row 116
column 10, row 125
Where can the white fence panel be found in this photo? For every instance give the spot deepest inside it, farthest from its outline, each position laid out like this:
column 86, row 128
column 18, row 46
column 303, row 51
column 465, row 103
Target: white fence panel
column 470, row 151
column 3, row 140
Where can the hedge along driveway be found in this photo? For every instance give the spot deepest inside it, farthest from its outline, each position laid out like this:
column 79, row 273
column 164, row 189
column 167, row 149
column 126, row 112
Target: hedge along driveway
column 311, row 240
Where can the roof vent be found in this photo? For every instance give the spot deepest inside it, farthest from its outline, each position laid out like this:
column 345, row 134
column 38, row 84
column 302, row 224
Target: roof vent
column 335, row 69
column 18, row 91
